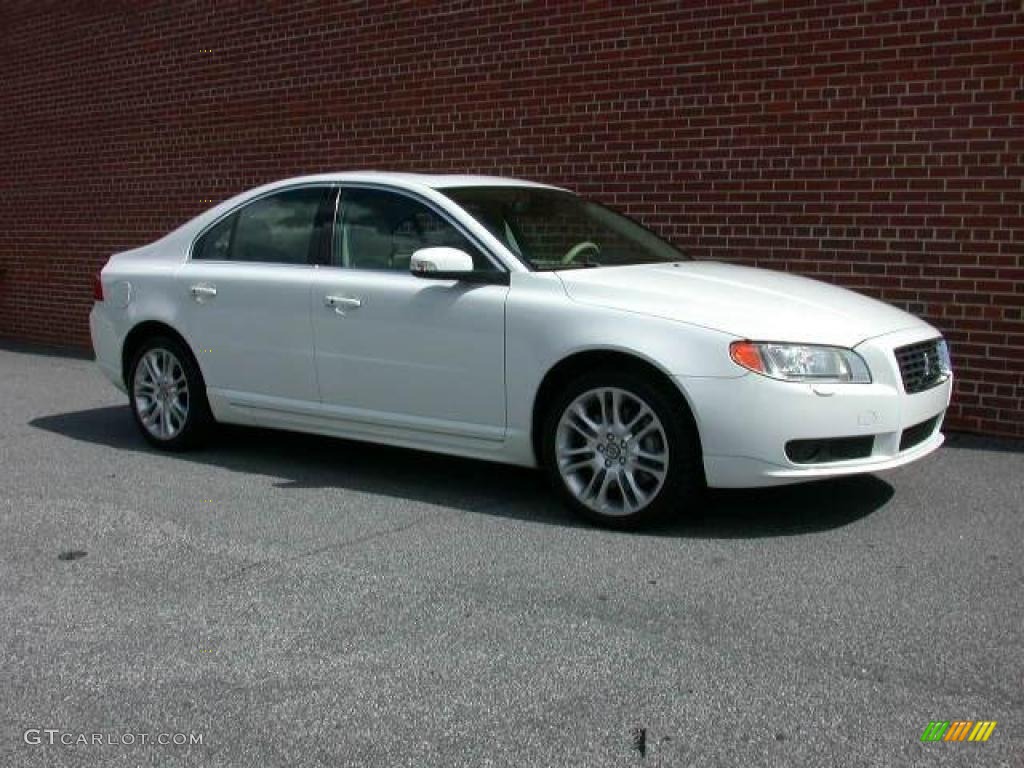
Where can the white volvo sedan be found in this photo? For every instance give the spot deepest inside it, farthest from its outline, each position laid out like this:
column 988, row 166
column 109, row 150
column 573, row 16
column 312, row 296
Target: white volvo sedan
column 515, row 322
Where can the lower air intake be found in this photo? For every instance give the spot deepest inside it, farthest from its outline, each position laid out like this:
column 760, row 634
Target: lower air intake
column 829, row 449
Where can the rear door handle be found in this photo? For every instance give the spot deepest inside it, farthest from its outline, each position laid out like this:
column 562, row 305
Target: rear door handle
column 341, row 303
column 201, row 291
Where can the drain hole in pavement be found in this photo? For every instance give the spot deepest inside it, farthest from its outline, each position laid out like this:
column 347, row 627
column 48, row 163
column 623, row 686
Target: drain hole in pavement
column 72, row 554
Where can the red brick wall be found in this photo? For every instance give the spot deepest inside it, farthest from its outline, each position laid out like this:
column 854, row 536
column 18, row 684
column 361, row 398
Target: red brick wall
column 876, row 144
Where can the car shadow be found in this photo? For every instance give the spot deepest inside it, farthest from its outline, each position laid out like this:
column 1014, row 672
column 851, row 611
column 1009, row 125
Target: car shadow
column 311, row 461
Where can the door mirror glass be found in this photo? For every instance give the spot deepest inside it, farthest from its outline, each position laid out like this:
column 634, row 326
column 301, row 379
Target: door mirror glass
column 442, row 260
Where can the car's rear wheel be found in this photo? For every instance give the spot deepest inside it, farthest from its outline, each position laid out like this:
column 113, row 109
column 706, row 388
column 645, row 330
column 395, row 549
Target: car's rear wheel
column 168, row 396
column 619, row 451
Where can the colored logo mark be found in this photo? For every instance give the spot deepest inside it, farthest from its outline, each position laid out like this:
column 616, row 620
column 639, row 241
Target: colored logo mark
column 958, row 730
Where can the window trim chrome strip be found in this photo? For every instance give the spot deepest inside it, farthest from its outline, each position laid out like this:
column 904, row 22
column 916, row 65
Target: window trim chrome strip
column 240, row 206
column 340, row 185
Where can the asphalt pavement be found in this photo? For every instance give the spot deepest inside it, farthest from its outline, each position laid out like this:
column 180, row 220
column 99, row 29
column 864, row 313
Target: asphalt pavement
column 295, row 600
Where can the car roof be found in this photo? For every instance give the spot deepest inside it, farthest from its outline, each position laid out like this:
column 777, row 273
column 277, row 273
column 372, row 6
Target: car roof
column 416, row 180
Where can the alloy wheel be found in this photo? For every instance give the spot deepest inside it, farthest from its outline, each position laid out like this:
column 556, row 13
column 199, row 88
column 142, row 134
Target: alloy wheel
column 161, row 393
column 612, row 451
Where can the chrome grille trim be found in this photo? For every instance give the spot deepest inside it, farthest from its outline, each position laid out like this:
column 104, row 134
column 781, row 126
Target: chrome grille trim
column 920, row 366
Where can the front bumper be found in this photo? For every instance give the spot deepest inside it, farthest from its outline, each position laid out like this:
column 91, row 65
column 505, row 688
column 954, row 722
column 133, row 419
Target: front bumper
column 746, row 422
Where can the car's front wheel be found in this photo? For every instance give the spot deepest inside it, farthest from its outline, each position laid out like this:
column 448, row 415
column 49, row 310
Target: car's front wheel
column 168, row 396
column 619, row 451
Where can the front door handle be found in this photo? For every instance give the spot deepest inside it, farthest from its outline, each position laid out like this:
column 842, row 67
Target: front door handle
column 341, row 303
column 203, row 291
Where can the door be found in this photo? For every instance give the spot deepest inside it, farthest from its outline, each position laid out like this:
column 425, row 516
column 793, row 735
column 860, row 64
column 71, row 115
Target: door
column 401, row 352
column 245, row 297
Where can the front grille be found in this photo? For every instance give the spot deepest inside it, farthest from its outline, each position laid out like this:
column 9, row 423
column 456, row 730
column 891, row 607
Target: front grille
column 920, row 366
column 829, row 449
column 918, row 433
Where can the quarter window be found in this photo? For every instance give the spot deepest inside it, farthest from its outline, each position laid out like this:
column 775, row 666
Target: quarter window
column 277, row 229
column 215, row 244
column 381, row 230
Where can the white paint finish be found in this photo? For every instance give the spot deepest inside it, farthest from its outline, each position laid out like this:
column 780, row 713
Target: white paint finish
column 746, row 302
column 120, row 294
column 544, row 328
column 415, row 348
column 441, row 259
column 442, row 435
column 254, row 334
column 455, row 367
column 106, row 345
column 754, row 417
column 743, row 472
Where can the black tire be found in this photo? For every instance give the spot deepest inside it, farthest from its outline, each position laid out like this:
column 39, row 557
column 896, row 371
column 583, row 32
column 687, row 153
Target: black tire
column 198, row 419
column 683, row 482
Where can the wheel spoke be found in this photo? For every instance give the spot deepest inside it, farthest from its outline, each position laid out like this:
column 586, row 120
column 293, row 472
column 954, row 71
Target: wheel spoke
column 169, row 428
column 583, row 449
column 589, row 490
column 158, row 419
column 616, row 404
column 653, row 458
column 643, row 413
column 652, row 426
column 602, row 493
column 576, row 466
column 147, row 412
column 179, row 410
column 657, row 474
column 151, row 366
column 583, row 423
column 630, row 488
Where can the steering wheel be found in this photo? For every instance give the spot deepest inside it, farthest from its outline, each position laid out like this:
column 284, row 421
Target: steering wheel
column 576, row 250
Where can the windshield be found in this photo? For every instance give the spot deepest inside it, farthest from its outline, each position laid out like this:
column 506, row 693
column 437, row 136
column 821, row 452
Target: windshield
column 551, row 229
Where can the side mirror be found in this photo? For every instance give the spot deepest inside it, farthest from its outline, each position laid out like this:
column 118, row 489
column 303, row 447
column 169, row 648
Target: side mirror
column 426, row 262
column 444, row 263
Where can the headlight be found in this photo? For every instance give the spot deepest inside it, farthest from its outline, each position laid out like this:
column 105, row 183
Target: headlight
column 800, row 362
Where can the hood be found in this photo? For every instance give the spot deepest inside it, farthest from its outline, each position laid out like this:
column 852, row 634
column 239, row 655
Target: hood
column 757, row 304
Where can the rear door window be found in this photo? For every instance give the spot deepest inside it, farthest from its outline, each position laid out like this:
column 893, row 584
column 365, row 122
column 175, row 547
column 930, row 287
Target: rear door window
column 281, row 228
